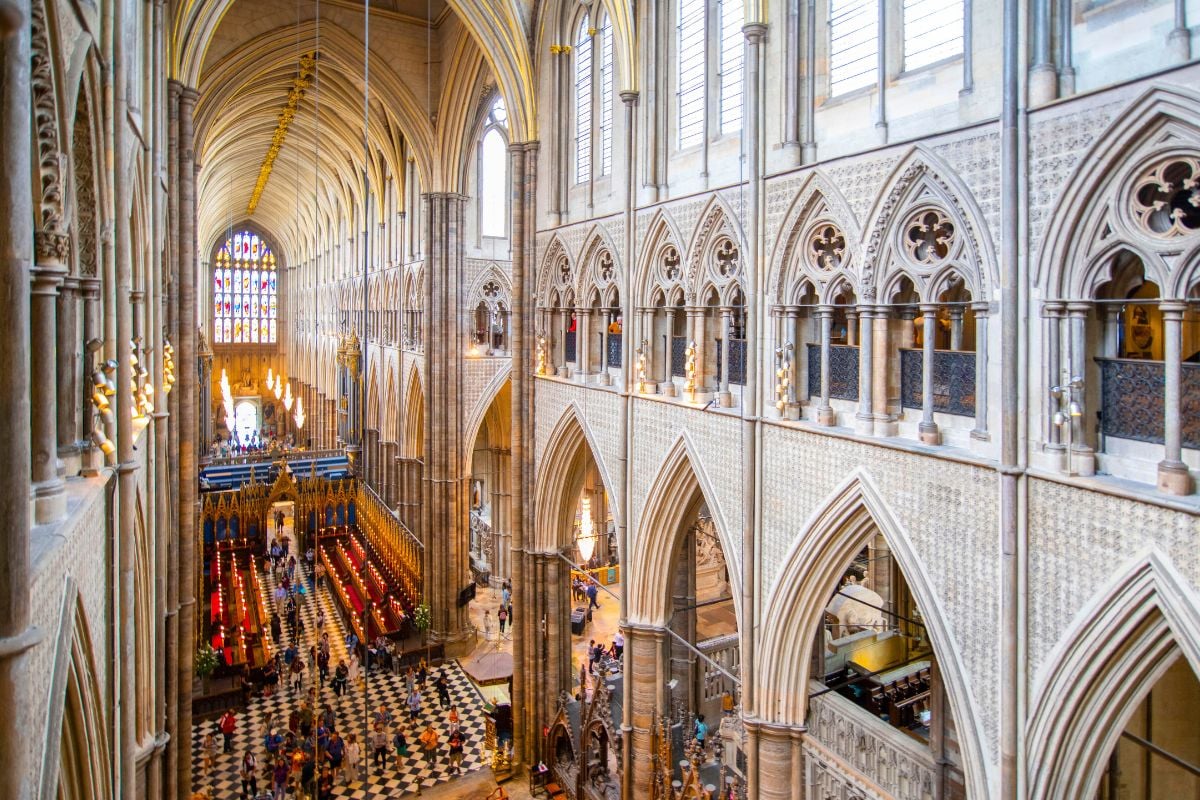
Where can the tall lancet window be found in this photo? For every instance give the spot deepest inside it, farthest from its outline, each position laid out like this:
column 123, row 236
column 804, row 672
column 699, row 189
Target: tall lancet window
column 583, row 101
column 606, row 96
column 493, row 173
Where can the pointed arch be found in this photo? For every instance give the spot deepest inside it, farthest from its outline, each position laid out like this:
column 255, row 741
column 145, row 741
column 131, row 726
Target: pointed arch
column 143, row 620
column 921, row 180
column 549, row 272
column 1111, row 656
column 414, row 417
column 76, row 757
column 498, row 383
column 818, row 200
column 1163, row 121
column 662, row 233
column 831, row 538
column 560, row 475
column 679, row 483
column 490, row 274
column 373, row 397
column 387, row 420
column 717, row 220
column 597, row 242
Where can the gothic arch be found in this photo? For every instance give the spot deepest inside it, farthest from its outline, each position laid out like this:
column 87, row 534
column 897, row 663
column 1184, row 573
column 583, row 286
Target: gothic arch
column 717, row 222
column 815, row 563
column 490, row 274
column 678, row 482
column 414, row 417
column 388, row 421
column 1112, row 654
column 551, row 273
column 76, row 755
column 661, row 233
column 597, row 243
column 1092, row 213
column 920, row 184
column 143, row 620
column 478, row 415
column 817, row 203
column 560, row 475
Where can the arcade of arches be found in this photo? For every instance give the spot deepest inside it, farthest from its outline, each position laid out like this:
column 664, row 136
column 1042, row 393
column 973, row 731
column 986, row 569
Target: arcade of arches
column 666, row 399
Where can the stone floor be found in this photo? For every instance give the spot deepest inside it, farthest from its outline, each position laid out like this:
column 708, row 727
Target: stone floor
column 401, row 776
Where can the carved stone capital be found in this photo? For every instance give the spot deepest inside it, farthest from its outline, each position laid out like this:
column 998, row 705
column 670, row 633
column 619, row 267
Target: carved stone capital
column 51, row 247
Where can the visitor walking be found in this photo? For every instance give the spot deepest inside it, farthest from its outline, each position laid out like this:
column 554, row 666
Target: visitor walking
column 249, row 775
column 228, row 725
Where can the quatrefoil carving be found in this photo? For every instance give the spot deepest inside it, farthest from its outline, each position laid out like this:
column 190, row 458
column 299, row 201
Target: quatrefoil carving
column 606, row 266
column 726, row 258
column 671, row 263
column 1166, row 198
column 826, row 248
column 928, row 237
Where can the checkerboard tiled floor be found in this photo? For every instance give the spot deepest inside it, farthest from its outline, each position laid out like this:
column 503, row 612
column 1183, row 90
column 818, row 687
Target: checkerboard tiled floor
column 387, row 689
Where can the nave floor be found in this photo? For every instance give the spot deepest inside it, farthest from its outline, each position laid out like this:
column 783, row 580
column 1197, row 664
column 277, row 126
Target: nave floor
column 412, row 774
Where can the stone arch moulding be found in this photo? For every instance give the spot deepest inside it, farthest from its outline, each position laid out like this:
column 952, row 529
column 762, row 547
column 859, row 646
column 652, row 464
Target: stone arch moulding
column 556, row 252
column 1160, row 122
column 816, row 560
column 717, row 220
column 597, row 240
column 661, row 232
column 817, row 199
column 490, row 273
column 923, row 180
column 1112, row 654
column 414, row 415
column 76, row 701
column 678, row 476
column 553, row 471
column 479, row 410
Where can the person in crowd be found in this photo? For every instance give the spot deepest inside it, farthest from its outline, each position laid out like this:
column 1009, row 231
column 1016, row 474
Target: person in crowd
column 248, row 772
column 593, row 590
column 443, row 690
column 228, row 725
column 453, row 718
column 208, row 749
column 382, row 715
column 618, row 645
column 502, row 618
column 325, row 784
column 379, row 746
column 414, row 703
column 429, row 742
column 340, row 677
column 422, row 674
column 701, row 731
column 296, row 671
column 353, row 758
column 456, row 750
column 400, row 743
column 336, row 749
column 279, row 777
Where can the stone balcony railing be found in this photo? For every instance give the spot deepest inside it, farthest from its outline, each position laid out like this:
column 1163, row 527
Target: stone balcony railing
column 853, row 754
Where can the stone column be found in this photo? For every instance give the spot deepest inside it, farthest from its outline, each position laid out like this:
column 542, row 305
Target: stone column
column 825, row 412
column 583, row 342
column 606, row 318
column 51, row 251
column 852, row 326
column 886, row 359
column 724, row 397
column 1053, row 314
column 778, row 760
column 17, row 634
column 446, row 491
column 956, row 328
column 981, row 310
column 1083, row 456
column 695, row 315
column 186, row 386
column 798, row 386
column 1111, row 315
column 171, row 640
column 928, row 428
column 648, row 675
column 1173, row 474
column 864, row 420
column 69, row 394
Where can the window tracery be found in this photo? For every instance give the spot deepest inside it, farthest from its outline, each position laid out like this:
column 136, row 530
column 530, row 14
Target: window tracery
column 1165, row 202
column 245, row 292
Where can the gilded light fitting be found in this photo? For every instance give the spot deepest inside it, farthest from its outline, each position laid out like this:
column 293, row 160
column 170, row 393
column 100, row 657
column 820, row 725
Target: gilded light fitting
column 299, row 84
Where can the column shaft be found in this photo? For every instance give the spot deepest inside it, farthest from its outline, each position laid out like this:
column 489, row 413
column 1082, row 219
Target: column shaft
column 825, row 412
column 928, row 429
column 864, row 421
column 16, row 247
column 1173, row 474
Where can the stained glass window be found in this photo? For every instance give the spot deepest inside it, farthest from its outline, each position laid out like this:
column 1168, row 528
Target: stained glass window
column 245, row 303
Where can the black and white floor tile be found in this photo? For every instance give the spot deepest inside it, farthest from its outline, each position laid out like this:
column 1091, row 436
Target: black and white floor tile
column 409, row 775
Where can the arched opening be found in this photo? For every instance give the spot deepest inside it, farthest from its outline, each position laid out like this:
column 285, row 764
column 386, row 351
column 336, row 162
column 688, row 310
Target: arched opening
column 577, row 550
column 491, row 493
column 1158, row 754
column 83, row 768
